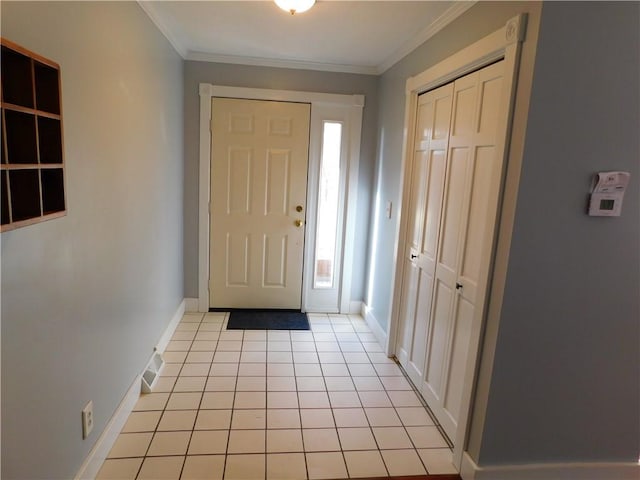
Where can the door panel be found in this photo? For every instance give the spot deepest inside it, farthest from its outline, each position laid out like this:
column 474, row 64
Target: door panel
column 433, row 208
column 437, row 343
column 428, row 171
column 275, row 257
column 239, row 180
column 237, row 262
column 469, row 214
column 453, row 209
column 258, row 177
column 461, row 333
column 277, row 180
column 421, row 324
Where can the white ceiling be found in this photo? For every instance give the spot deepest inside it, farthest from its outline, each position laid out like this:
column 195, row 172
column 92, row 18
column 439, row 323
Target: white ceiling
column 366, row 36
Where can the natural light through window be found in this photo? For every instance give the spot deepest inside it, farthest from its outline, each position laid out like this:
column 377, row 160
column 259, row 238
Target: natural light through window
column 328, row 196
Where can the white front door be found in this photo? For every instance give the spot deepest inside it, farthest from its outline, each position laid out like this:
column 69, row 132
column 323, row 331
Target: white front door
column 259, row 158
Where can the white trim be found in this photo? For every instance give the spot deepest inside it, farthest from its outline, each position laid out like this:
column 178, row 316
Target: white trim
column 100, row 450
column 207, row 92
column 337, row 298
column 204, row 177
column 453, row 12
column 550, row 471
column 190, row 304
column 149, row 9
column 351, row 205
column 449, row 15
column 355, row 308
column 373, row 324
column 98, row 454
column 281, row 95
column 168, row 333
column 281, row 63
column 504, row 43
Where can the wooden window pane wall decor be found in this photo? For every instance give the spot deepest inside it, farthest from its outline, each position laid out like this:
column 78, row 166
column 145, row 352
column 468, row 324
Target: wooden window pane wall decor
column 32, row 154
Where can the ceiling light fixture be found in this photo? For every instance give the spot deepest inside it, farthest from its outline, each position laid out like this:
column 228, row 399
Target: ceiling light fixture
column 295, row 6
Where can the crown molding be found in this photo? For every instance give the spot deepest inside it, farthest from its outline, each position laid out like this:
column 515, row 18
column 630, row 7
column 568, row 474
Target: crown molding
column 279, row 63
column 147, row 7
column 453, row 12
column 449, row 15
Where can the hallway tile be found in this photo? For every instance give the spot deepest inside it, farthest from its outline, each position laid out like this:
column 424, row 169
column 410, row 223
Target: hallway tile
column 245, row 467
column 169, row 443
column 208, row 442
column 365, row 464
column 286, row 466
column 438, row 461
column 142, row 422
column 161, row 468
column 391, row 438
column 131, row 445
column 247, row 441
column 177, row 420
column 320, row 440
column 326, row 465
column 274, row 404
column 203, row 467
column 120, row 469
column 403, row 462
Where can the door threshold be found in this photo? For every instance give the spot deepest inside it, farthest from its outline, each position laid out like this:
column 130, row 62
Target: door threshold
column 222, row 309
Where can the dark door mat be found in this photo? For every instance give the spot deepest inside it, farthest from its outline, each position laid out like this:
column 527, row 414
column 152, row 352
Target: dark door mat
column 267, row 320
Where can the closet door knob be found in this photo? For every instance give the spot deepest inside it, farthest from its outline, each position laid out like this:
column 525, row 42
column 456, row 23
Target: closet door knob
column 458, row 286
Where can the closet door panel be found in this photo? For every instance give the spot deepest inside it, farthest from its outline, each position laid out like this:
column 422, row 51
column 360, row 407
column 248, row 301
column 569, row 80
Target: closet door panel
column 476, row 223
column 437, row 343
column 425, row 204
column 460, row 334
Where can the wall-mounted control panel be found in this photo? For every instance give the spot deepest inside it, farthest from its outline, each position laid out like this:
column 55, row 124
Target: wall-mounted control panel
column 607, row 192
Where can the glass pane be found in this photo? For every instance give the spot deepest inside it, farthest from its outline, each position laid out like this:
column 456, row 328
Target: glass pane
column 328, row 196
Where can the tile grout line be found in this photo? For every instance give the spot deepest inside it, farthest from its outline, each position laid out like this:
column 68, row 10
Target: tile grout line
column 195, row 421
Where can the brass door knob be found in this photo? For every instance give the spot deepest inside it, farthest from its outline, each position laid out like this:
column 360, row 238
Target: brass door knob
column 298, row 223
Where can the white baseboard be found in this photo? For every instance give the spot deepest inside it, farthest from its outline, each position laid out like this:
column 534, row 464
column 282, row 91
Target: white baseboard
column 100, row 450
column 550, row 471
column 355, row 307
column 92, row 464
column 373, row 324
column 168, row 333
column 191, row 304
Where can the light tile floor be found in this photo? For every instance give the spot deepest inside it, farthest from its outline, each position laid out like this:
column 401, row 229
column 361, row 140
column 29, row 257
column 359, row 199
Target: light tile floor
column 255, row 404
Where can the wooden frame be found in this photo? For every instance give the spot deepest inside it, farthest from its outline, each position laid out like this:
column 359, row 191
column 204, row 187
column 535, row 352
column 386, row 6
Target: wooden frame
column 32, row 139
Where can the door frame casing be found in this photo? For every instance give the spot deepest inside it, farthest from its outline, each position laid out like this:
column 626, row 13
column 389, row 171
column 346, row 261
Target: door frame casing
column 504, row 44
column 355, row 103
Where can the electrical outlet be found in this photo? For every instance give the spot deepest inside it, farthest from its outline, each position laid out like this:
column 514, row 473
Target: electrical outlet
column 87, row 419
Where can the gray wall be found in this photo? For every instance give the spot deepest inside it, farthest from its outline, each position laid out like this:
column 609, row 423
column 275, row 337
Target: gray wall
column 281, row 79
column 479, row 21
column 86, row 297
column 565, row 384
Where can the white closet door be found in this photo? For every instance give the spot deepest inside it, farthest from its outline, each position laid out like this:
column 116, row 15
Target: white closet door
column 428, row 173
column 467, row 224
